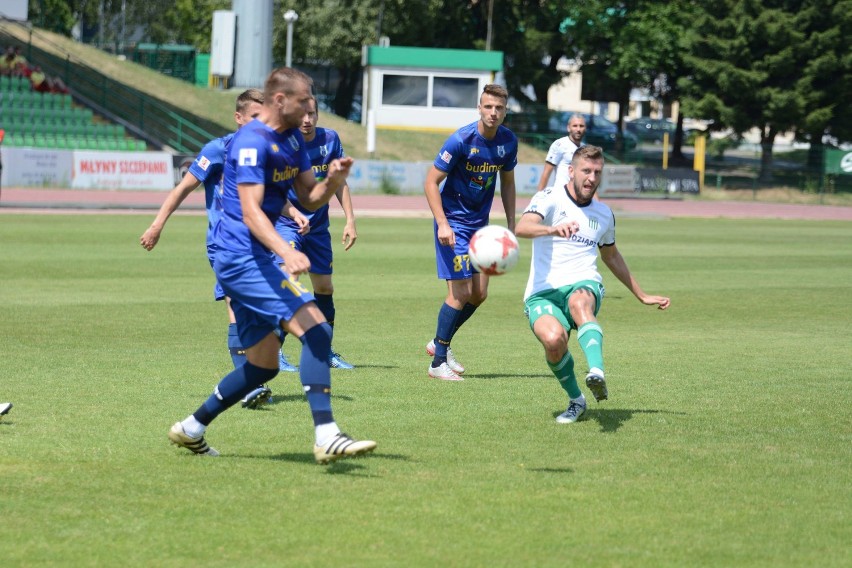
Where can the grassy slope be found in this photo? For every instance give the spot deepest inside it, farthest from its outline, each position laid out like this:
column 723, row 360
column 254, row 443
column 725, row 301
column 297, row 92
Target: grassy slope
column 218, row 105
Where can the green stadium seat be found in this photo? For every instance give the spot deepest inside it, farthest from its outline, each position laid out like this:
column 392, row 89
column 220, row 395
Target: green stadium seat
column 78, row 129
column 5, row 83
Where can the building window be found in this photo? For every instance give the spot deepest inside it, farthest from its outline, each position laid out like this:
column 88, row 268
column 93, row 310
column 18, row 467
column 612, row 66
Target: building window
column 405, row 90
column 456, row 92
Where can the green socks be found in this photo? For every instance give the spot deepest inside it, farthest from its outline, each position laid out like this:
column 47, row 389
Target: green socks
column 564, row 372
column 590, row 337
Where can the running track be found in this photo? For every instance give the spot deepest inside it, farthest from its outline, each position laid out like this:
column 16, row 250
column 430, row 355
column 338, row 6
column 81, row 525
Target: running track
column 32, row 200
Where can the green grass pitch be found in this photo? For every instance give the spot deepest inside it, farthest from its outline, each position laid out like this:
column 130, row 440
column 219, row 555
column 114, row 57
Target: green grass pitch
column 725, row 442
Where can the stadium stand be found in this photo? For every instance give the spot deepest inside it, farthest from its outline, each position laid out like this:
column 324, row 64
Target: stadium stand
column 39, row 119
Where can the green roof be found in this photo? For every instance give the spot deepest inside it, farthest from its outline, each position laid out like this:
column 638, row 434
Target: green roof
column 425, row 57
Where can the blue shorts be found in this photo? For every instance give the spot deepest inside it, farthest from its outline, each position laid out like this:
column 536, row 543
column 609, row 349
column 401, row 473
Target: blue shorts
column 262, row 295
column 218, row 293
column 316, row 245
column 454, row 262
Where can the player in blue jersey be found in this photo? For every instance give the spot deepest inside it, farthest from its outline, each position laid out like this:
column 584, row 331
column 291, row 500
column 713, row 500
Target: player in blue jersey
column 469, row 163
column 207, row 169
column 323, row 146
column 267, row 157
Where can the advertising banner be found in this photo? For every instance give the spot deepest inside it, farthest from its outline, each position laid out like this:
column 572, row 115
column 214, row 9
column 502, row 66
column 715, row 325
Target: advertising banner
column 35, row 167
column 838, row 162
column 122, row 170
column 672, row 180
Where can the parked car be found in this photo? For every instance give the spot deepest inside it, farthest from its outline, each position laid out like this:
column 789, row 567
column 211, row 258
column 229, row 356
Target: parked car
column 652, row 129
column 600, row 131
column 548, row 125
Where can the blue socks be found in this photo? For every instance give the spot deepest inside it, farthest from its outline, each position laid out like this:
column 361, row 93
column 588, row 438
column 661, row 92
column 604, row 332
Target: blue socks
column 315, row 373
column 325, row 302
column 231, row 389
column 447, row 319
column 238, row 354
column 465, row 314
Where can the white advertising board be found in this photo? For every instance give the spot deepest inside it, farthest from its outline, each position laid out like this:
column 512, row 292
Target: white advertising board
column 35, row 167
column 122, row 170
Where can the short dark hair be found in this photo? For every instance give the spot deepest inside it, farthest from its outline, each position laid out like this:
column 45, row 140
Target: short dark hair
column 282, row 79
column 588, row 153
column 247, row 97
column 496, row 90
column 577, row 115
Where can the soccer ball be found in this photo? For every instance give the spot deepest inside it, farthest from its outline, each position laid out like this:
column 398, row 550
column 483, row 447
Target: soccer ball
column 493, row 250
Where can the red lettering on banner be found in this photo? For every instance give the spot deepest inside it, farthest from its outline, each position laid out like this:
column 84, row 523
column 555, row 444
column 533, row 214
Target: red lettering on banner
column 140, row 167
column 97, row 167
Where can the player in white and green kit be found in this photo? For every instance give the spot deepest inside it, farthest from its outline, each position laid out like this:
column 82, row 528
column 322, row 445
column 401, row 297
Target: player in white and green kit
column 565, row 289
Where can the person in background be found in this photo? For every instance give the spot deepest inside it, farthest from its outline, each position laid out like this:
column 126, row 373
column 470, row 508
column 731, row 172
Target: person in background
column 561, row 151
column 468, row 165
column 323, row 146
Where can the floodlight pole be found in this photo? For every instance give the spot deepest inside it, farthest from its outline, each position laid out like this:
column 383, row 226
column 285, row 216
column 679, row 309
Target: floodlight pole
column 290, row 16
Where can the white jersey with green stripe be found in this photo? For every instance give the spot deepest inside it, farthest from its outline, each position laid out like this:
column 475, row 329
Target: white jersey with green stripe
column 557, row 261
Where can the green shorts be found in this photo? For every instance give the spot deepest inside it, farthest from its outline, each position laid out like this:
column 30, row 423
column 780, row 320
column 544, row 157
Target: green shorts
column 554, row 302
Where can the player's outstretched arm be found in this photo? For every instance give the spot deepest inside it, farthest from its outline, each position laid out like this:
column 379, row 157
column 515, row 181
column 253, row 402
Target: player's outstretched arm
column 434, row 178
column 545, row 175
column 618, row 266
column 530, row 226
column 313, row 194
column 507, row 195
column 350, row 234
column 292, row 212
column 176, row 196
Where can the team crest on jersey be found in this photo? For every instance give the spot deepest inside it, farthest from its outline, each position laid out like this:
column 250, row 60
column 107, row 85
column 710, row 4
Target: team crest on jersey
column 247, row 157
column 446, row 157
column 501, row 151
column 275, row 147
column 294, row 144
column 203, row 163
column 593, row 224
column 473, row 151
column 323, row 150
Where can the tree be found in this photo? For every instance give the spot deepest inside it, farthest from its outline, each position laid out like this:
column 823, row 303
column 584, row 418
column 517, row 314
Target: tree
column 345, row 26
column 186, row 22
column 530, row 33
column 54, row 15
column 744, row 58
column 825, row 81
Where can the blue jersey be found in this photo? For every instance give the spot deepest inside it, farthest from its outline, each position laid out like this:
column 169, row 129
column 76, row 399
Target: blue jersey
column 324, row 148
column 207, row 168
column 472, row 165
column 258, row 155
